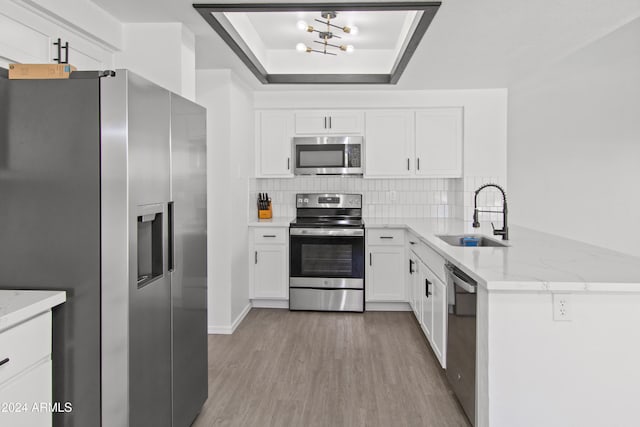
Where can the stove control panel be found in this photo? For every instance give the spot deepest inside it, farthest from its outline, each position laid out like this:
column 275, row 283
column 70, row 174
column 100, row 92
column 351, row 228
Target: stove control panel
column 329, row 201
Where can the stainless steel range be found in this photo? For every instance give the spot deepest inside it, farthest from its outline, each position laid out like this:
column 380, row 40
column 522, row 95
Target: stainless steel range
column 326, row 268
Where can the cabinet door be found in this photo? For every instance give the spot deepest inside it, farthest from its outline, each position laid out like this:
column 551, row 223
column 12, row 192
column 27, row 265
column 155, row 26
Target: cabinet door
column 416, row 289
column 385, row 274
column 389, row 142
column 439, row 142
column 426, row 291
column 311, row 122
column 439, row 332
column 343, row 122
column 32, row 387
column 274, row 132
column 270, row 272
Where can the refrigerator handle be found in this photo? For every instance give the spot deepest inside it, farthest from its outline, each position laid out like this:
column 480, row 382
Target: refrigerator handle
column 171, row 242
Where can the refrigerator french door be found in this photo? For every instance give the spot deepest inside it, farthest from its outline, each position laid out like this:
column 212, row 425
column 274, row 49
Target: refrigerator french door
column 100, row 200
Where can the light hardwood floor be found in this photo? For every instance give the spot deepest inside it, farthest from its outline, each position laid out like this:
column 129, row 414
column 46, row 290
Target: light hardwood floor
column 283, row 368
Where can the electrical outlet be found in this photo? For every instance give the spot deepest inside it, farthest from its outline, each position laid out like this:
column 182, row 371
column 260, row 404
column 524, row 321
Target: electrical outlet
column 562, row 307
column 392, row 196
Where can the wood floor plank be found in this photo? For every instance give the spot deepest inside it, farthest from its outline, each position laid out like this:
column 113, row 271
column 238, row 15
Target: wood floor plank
column 283, row 368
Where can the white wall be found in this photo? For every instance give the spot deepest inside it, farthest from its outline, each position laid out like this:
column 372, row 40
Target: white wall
column 229, row 164
column 574, row 144
column 242, row 163
column 583, row 372
column 163, row 53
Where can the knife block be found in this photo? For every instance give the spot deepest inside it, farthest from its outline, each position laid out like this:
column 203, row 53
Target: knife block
column 265, row 213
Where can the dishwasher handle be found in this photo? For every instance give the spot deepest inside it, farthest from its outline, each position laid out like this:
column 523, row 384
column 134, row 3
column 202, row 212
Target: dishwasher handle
column 461, row 279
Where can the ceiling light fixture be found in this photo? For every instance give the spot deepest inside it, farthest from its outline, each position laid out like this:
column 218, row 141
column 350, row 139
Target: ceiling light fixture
column 327, row 35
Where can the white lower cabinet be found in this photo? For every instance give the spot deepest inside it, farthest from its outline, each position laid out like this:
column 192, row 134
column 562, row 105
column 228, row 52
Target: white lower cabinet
column 426, row 292
column 25, row 373
column 435, row 319
column 269, row 263
column 385, row 271
column 428, row 295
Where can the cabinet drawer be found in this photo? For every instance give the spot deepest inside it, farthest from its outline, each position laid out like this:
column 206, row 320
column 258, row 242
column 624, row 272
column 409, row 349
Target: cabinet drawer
column 385, row 236
column 430, row 257
column 270, row 235
column 24, row 345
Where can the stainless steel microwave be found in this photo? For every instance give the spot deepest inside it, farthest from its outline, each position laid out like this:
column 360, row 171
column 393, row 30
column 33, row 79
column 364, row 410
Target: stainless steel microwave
column 328, row 155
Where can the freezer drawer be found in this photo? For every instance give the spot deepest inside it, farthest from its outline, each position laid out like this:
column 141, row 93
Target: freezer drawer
column 326, row 299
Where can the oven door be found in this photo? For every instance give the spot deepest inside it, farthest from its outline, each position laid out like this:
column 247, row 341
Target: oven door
column 326, row 258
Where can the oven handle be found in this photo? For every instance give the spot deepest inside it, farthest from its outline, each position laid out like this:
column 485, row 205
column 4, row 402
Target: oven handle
column 323, row 232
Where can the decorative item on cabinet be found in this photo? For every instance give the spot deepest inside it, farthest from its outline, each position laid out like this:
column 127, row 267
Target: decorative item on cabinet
column 265, row 210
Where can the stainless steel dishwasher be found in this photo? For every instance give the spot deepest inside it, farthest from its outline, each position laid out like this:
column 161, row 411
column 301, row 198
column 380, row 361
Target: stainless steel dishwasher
column 461, row 338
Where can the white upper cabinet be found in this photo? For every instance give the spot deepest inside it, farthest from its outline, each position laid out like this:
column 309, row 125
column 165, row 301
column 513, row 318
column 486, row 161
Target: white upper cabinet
column 439, row 142
column 389, row 143
column 274, row 132
column 328, row 122
column 28, row 37
column 424, row 143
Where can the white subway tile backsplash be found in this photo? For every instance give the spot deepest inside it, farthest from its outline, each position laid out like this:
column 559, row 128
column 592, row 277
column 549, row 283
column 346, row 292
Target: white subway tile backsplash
column 414, row 198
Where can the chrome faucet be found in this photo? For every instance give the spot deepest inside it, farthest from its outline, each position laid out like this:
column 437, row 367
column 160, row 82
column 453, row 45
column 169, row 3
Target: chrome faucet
column 504, row 231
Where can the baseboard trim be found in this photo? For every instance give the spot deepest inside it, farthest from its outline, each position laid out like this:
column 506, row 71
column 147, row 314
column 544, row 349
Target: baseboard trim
column 387, row 306
column 228, row 330
column 270, row 303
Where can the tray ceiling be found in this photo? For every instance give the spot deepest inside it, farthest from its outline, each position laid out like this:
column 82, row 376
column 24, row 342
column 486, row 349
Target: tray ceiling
column 265, row 35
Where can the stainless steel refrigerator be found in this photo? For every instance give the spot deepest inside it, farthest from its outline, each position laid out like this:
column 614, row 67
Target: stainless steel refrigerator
column 103, row 195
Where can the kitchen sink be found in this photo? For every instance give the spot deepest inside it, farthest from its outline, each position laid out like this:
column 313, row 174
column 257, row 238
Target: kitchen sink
column 456, row 240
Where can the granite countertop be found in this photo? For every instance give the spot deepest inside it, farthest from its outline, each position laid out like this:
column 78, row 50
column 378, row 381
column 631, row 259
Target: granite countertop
column 16, row 306
column 533, row 261
column 276, row 221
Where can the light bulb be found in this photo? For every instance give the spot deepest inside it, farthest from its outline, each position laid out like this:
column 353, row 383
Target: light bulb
column 350, row 48
column 354, row 30
column 301, row 47
column 302, row 25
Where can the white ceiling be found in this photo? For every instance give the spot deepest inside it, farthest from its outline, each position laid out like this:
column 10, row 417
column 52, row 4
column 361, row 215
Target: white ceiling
column 470, row 44
column 273, row 36
column 377, row 30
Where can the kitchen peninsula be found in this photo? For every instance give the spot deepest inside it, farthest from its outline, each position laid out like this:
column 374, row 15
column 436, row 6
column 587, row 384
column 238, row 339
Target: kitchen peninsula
column 573, row 366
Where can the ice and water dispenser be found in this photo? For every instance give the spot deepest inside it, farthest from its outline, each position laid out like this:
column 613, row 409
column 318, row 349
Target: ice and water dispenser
column 150, row 244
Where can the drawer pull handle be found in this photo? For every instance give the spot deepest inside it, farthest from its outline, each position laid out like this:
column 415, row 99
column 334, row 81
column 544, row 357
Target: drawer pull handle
column 386, row 237
column 4, row 361
column 268, row 235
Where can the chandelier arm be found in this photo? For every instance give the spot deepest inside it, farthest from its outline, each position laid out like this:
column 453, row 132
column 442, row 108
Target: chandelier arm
column 326, row 43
